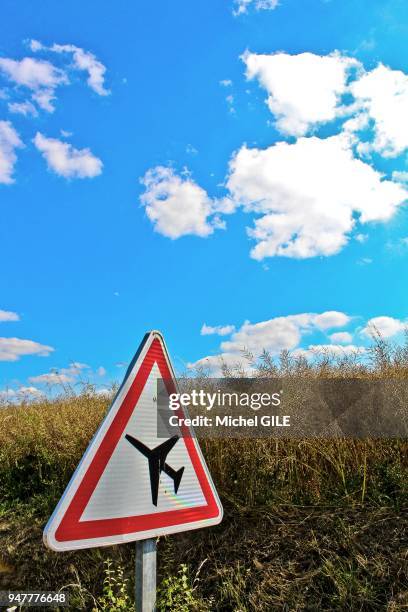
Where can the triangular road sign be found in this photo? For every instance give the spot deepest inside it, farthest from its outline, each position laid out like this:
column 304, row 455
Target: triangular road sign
column 130, row 484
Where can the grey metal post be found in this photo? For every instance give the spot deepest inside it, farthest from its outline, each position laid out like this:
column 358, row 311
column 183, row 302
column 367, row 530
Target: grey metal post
column 145, row 576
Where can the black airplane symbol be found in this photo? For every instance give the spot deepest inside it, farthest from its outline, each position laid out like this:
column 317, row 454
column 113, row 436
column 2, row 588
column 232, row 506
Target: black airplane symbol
column 157, row 463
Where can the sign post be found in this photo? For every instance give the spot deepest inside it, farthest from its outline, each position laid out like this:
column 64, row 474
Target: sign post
column 145, row 575
column 132, row 484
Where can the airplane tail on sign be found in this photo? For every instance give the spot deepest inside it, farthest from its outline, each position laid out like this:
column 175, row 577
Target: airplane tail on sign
column 130, row 484
column 175, row 475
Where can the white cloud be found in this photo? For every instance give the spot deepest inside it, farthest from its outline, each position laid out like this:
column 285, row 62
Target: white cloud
column 83, row 60
column 398, row 246
column 386, row 326
column 23, row 108
column 383, row 94
column 364, row 261
column 11, row 349
column 79, row 366
column 310, row 196
column 304, row 90
column 400, row 177
column 51, row 378
column 9, row 141
column 330, row 319
column 310, row 216
column 341, row 338
column 191, row 150
column 66, row 161
column 45, row 99
column 357, row 123
column 214, row 363
column 230, row 102
column 219, row 330
column 7, row 394
column 61, row 375
column 176, row 205
column 306, row 194
column 241, row 6
column 226, row 82
column 101, row 371
column 333, row 350
column 33, row 73
column 30, row 393
column 40, row 76
column 35, row 45
column 74, row 369
column 8, row 315
column 104, row 392
column 281, row 332
column 273, row 335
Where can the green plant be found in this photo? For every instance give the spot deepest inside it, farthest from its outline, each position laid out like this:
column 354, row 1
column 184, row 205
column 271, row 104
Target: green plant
column 176, row 593
column 115, row 596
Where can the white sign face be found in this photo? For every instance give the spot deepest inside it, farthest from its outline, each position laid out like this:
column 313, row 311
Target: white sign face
column 131, row 484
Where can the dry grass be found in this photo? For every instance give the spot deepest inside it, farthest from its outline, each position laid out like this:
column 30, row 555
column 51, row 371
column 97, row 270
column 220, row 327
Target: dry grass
column 41, row 444
column 309, row 525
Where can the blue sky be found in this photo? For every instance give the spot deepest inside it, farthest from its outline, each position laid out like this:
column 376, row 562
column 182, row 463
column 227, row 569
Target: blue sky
column 177, row 95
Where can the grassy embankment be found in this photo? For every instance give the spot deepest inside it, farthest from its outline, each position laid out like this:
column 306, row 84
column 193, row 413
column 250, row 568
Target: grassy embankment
column 308, row 525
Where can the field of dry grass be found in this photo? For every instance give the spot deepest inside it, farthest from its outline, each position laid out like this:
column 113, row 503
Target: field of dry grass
column 309, row 524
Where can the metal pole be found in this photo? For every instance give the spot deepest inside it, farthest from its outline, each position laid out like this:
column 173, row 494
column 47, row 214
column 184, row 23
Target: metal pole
column 145, row 575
